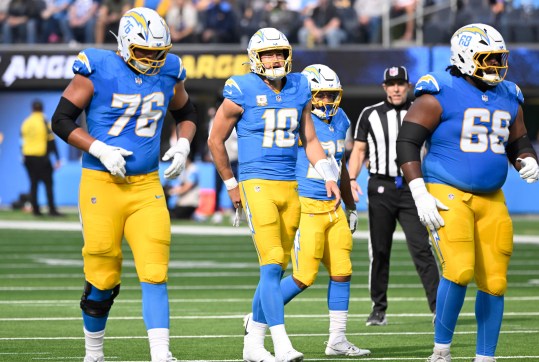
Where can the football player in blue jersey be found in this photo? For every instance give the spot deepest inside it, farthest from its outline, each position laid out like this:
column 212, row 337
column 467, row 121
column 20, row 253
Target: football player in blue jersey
column 269, row 107
column 325, row 234
column 473, row 123
column 126, row 95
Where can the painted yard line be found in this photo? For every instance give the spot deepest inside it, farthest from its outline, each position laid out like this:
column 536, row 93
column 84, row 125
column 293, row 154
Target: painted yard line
column 429, row 333
column 193, row 230
column 220, row 274
column 303, row 299
column 533, row 283
column 240, row 316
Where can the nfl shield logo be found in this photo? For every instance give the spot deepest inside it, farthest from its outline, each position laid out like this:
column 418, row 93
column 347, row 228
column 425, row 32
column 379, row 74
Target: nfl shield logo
column 138, row 80
column 393, row 72
column 94, row 200
column 484, row 97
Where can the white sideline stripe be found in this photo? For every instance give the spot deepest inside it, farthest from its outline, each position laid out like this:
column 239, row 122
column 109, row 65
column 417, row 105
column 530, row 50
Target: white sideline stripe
column 195, row 230
column 53, row 302
column 240, row 317
column 429, row 333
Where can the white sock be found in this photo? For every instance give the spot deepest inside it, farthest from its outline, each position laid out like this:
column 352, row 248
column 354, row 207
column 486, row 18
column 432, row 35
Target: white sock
column 159, row 343
column 440, row 346
column 256, row 333
column 281, row 342
column 93, row 342
column 337, row 325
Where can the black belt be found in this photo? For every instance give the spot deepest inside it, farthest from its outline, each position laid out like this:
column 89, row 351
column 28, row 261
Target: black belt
column 398, row 180
column 383, row 177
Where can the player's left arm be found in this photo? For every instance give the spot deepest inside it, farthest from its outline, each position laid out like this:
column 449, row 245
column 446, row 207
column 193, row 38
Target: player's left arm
column 185, row 114
column 316, row 155
column 520, row 151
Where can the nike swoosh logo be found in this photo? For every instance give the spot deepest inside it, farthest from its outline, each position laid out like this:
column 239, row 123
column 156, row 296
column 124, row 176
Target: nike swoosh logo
column 158, row 196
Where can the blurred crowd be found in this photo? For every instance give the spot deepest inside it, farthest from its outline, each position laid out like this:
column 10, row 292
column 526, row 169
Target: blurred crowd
column 305, row 22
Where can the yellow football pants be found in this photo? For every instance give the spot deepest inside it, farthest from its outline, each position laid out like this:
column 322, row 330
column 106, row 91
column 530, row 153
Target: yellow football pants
column 111, row 208
column 477, row 239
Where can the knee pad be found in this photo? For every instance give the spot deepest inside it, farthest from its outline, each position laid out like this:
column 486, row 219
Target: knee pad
column 154, row 273
column 97, row 308
column 463, row 277
column 274, row 256
column 494, row 286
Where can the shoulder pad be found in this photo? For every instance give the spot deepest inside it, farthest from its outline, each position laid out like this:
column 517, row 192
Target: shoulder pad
column 232, row 90
column 86, row 61
column 174, row 67
column 427, row 84
column 514, row 91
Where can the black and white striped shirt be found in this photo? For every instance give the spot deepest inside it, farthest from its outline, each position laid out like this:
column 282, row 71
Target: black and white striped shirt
column 378, row 125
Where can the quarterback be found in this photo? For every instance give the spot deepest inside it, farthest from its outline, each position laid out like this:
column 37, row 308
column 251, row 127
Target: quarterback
column 125, row 95
column 270, row 108
column 473, row 123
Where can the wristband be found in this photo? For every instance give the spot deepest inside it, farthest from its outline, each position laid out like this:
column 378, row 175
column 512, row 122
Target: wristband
column 352, row 179
column 231, row 183
column 324, row 169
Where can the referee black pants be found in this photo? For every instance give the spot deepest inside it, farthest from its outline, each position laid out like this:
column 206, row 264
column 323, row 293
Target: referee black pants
column 387, row 205
column 40, row 170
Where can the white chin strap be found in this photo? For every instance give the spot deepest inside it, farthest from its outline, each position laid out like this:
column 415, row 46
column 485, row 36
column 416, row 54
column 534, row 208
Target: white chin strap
column 275, row 73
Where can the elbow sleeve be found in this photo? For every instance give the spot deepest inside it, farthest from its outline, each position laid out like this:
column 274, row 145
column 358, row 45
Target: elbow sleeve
column 64, row 117
column 187, row 113
column 409, row 142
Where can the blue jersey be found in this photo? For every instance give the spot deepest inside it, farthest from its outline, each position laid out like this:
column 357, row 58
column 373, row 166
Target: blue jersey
column 127, row 108
column 268, row 128
column 332, row 136
column 467, row 149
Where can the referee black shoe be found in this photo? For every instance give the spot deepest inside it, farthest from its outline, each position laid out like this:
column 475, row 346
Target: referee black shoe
column 376, row 319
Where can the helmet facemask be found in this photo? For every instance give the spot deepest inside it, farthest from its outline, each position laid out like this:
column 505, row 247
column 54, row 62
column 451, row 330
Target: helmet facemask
column 488, row 72
column 144, row 65
column 326, row 107
column 271, row 72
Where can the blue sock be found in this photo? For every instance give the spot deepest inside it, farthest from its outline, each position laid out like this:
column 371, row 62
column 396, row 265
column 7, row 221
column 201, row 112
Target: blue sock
column 489, row 314
column 448, row 305
column 289, row 289
column 96, row 324
column 155, row 309
column 338, row 295
column 258, row 313
column 271, row 297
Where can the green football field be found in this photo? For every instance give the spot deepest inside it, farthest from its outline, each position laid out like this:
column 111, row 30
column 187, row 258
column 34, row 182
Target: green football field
column 213, row 273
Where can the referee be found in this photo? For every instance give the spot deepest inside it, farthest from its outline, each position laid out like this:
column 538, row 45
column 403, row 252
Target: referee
column 389, row 196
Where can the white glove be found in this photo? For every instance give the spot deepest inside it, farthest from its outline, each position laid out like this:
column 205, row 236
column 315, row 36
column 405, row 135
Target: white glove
column 111, row 157
column 178, row 153
column 427, row 205
column 237, row 217
column 529, row 170
column 351, row 216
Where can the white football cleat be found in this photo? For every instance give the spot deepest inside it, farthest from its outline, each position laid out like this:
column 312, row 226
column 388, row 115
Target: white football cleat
column 253, row 350
column 167, row 358
column 440, row 355
column 290, row 356
column 484, row 359
column 345, row 348
column 89, row 358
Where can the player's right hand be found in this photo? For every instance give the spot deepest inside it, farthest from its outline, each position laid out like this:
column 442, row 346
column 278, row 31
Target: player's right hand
column 111, row 157
column 427, row 205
